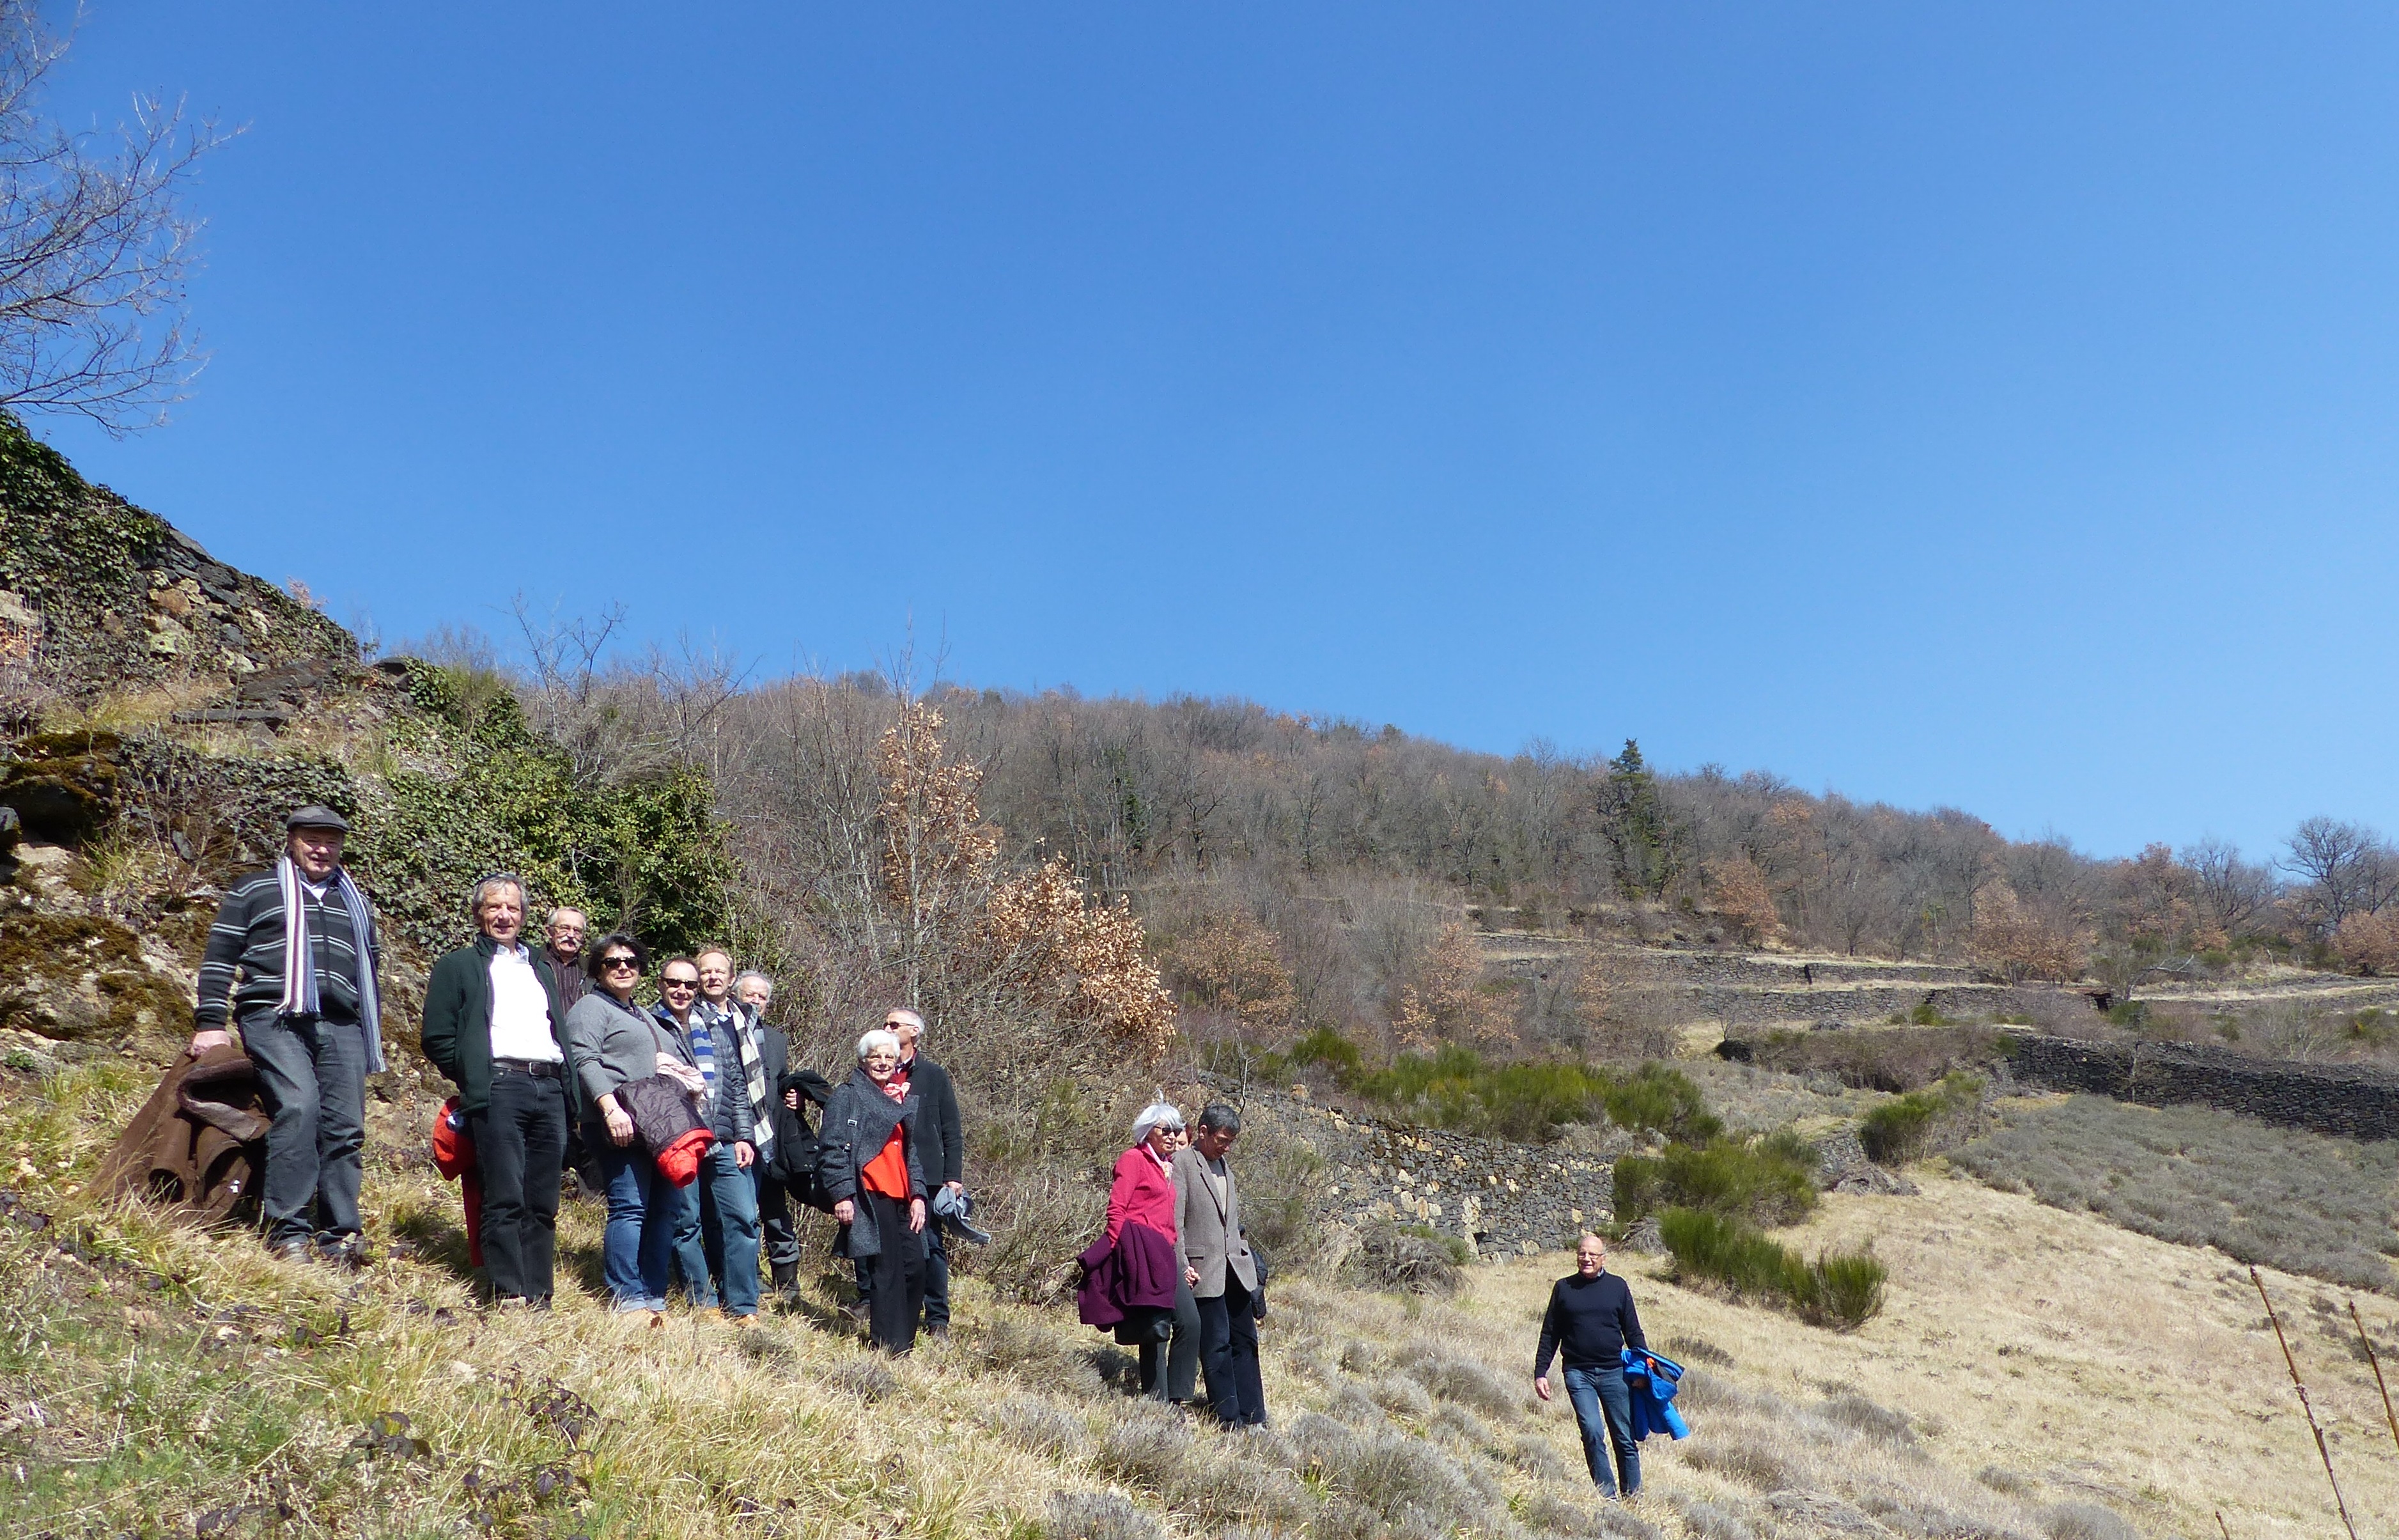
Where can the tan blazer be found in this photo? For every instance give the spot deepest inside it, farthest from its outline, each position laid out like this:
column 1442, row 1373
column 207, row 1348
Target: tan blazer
column 1208, row 1230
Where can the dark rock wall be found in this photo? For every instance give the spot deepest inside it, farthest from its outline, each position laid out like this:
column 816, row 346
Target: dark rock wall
column 2348, row 1100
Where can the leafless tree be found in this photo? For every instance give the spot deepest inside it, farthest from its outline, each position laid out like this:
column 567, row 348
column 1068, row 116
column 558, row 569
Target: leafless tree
column 2344, row 868
column 2238, row 895
column 96, row 246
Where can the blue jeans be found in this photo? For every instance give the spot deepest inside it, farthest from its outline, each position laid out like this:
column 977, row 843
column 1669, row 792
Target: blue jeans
column 643, row 1209
column 1594, row 1392
column 722, row 1203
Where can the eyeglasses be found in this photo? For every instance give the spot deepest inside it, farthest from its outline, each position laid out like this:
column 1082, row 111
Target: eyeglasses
column 619, row 961
column 680, row 983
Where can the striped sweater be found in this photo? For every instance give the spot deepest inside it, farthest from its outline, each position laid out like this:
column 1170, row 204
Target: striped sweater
column 244, row 962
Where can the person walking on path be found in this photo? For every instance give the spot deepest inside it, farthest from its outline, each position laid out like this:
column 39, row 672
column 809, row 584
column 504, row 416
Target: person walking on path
column 868, row 1162
column 941, row 1144
column 615, row 1042
column 704, row 1042
column 493, row 1027
column 1591, row 1322
column 1142, row 1191
column 292, row 961
column 1219, row 1269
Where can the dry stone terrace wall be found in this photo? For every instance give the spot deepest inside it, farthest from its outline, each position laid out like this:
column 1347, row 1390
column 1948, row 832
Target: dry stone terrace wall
column 2346, row 1100
column 1504, row 1199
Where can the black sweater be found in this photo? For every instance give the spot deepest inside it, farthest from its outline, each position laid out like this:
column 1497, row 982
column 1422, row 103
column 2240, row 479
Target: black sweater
column 1593, row 1320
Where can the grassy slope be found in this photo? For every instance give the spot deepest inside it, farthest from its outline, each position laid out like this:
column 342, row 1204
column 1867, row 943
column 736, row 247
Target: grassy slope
column 2133, row 1373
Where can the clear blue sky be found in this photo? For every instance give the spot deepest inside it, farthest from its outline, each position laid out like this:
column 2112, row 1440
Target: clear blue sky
column 1989, row 408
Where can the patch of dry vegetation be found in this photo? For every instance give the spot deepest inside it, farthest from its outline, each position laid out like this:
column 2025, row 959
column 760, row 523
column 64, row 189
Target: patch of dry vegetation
column 2303, row 1201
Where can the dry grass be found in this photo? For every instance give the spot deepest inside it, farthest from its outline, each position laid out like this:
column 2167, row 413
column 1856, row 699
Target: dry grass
column 2304, row 1202
column 2134, row 1378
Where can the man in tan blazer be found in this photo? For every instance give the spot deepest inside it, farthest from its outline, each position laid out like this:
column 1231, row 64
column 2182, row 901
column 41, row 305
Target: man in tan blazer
column 1219, row 1269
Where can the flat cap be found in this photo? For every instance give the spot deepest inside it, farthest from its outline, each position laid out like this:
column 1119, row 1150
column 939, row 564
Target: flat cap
column 315, row 816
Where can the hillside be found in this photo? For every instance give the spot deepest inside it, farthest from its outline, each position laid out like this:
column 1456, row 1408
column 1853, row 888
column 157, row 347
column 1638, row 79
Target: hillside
column 2037, row 1372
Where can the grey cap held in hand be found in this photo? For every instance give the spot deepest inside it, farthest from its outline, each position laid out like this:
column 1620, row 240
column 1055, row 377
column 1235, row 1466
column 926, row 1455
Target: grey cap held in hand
column 315, row 816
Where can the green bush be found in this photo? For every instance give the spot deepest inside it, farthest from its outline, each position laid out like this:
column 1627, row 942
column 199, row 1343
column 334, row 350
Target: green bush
column 1839, row 1290
column 1900, row 1129
column 1765, row 1181
column 1329, row 1048
column 1530, row 1099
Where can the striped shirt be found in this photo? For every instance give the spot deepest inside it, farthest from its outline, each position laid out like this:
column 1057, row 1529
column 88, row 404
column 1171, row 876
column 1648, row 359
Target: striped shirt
column 244, row 961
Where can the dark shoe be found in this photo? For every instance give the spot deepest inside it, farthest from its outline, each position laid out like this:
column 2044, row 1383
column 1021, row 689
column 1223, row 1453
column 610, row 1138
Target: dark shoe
column 856, row 1310
column 345, row 1252
column 296, row 1249
column 787, row 1277
column 939, row 1333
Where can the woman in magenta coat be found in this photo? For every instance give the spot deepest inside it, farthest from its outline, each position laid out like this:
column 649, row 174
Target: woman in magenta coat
column 1143, row 1193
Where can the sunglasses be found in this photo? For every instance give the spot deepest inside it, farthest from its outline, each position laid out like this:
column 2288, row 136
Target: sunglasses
column 681, row 984
column 619, row 961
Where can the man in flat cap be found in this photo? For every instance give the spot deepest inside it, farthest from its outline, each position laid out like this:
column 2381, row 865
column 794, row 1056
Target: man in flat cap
column 292, row 959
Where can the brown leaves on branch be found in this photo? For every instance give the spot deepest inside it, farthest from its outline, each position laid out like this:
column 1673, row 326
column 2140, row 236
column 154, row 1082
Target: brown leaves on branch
column 1445, row 1002
column 2018, row 941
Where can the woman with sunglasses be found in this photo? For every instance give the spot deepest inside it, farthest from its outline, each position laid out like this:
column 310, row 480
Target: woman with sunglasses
column 616, row 1042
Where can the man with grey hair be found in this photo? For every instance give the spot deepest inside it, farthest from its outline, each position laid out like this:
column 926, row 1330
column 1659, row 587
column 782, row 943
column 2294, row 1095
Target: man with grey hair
column 1220, row 1268
column 292, row 961
column 941, row 1142
column 492, row 1025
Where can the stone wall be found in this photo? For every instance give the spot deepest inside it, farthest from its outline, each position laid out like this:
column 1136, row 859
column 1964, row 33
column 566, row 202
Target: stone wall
column 2348, row 1100
column 1502, row 1199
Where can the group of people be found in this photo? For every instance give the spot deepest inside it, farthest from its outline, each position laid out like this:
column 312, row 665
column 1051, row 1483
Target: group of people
column 558, row 1065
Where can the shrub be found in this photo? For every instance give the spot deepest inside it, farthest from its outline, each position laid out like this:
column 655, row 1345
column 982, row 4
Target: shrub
column 1406, row 1258
column 1146, row 1449
column 1097, row 1516
column 1743, row 1459
column 1875, row 1058
column 1765, row 1181
column 1529, row 1100
column 1900, row 1130
column 1325, row 1047
column 1034, row 1424
column 2084, row 1521
column 1655, row 1097
column 1839, row 1290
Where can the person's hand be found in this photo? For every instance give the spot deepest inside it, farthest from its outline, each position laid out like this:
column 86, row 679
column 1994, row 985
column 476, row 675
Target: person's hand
column 1541, row 1386
column 845, row 1211
column 791, row 1099
column 620, row 1127
column 915, row 1215
column 954, row 1188
column 203, row 1041
column 744, row 1155
column 1191, row 1276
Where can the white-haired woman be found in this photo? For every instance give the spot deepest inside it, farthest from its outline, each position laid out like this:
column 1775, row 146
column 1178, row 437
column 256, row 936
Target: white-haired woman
column 1142, row 1193
column 869, row 1169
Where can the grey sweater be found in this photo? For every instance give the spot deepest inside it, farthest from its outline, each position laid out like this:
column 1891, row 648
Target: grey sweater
column 613, row 1045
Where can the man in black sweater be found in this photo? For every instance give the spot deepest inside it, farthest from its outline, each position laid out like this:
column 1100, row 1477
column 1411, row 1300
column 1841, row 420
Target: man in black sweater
column 1591, row 1321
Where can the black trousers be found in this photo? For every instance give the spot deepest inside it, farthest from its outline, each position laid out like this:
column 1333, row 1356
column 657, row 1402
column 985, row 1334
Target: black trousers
column 1171, row 1371
column 1228, row 1352
column 898, row 1270
column 520, row 1142
column 937, row 1276
column 778, row 1237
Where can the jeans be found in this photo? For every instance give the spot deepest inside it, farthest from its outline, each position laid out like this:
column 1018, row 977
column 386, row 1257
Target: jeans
column 314, row 1075
column 1179, row 1357
column 643, row 1209
column 520, row 1142
column 897, row 1272
column 778, row 1234
column 1228, row 1349
column 722, row 1205
column 1593, row 1392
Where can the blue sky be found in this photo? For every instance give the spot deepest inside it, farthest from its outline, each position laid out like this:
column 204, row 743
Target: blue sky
column 1993, row 409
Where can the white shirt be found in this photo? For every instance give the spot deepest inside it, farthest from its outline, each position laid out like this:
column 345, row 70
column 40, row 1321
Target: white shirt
column 521, row 1010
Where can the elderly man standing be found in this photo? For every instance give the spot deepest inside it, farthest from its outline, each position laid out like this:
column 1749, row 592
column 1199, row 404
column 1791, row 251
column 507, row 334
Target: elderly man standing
column 292, row 959
column 492, row 1025
column 562, row 944
column 778, row 1237
column 1591, row 1319
column 1219, row 1269
column 941, row 1138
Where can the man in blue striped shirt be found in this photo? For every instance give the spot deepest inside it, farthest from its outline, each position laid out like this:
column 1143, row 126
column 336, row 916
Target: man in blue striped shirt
column 290, row 960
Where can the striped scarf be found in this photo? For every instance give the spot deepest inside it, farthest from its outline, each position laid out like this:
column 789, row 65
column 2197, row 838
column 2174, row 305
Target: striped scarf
column 744, row 1032
column 703, row 1047
column 300, row 961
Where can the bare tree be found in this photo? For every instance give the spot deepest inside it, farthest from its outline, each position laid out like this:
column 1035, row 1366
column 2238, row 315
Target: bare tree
column 2236, row 895
column 2345, row 868
column 95, row 246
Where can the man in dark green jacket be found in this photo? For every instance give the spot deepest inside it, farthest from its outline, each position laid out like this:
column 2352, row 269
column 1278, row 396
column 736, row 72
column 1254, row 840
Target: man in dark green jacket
column 494, row 1026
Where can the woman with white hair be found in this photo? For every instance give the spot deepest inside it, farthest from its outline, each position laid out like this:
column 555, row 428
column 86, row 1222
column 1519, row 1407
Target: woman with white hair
column 1142, row 1193
column 869, row 1165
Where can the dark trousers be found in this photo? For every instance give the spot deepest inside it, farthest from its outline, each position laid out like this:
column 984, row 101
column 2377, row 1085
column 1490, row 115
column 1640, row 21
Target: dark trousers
column 1228, row 1351
column 778, row 1236
column 937, row 1276
column 1169, row 1370
column 898, row 1275
column 519, row 1142
column 314, row 1076
column 1603, row 1408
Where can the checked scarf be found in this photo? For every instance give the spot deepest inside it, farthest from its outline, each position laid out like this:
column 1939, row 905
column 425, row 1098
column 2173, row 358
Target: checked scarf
column 300, row 961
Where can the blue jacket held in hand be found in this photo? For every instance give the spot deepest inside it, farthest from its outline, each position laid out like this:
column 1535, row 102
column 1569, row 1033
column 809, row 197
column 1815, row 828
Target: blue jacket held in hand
column 1653, row 1379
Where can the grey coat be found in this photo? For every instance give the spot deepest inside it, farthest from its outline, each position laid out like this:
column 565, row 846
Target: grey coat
column 613, row 1045
column 858, row 1123
column 1209, row 1233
